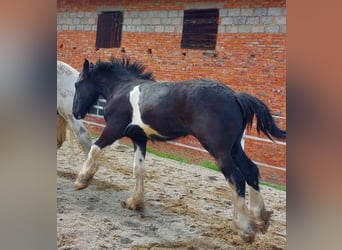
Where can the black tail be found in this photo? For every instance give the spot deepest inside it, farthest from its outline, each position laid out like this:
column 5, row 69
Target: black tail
column 251, row 106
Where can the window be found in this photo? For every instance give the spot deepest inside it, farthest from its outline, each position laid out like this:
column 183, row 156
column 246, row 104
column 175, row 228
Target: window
column 109, row 29
column 97, row 108
column 200, row 29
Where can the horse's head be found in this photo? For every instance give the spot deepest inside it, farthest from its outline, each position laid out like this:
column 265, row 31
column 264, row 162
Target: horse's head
column 86, row 93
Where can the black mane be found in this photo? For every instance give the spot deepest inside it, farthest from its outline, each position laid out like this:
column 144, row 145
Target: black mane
column 123, row 66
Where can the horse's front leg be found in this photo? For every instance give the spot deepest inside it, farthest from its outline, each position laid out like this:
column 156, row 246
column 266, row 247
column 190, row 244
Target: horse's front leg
column 90, row 166
column 81, row 132
column 136, row 202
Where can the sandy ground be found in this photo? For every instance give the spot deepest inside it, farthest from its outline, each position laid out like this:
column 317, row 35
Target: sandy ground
column 187, row 206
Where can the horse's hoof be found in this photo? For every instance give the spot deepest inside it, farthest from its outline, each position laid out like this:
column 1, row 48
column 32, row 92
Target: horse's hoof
column 264, row 221
column 249, row 238
column 248, row 235
column 131, row 206
column 123, row 204
column 81, row 184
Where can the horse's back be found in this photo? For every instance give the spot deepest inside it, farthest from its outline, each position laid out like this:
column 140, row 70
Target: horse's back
column 182, row 108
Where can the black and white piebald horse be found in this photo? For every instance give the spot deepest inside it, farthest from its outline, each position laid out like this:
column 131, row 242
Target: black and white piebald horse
column 142, row 109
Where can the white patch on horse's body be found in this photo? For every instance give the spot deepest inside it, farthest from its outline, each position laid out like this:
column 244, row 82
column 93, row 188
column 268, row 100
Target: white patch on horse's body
column 134, row 96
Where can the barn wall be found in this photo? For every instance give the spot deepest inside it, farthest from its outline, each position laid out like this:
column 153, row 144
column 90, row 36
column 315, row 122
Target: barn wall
column 250, row 54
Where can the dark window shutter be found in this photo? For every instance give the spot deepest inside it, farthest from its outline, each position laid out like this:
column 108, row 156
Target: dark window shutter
column 109, row 29
column 200, row 29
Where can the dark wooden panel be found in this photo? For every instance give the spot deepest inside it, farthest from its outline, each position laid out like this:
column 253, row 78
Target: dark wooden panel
column 194, row 28
column 109, row 29
column 200, row 29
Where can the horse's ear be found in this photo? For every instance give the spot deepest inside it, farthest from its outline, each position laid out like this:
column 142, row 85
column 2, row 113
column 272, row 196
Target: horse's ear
column 85, row 69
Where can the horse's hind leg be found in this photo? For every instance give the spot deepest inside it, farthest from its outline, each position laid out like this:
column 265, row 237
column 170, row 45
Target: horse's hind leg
column 61, row 130
column 242, row 222
column 250, row 171
column 136, row 202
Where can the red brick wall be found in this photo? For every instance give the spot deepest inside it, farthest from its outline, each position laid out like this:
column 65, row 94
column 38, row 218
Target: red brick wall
column 255, row 63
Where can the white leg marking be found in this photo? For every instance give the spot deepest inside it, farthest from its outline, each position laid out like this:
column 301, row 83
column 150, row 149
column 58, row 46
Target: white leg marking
column 256, row 203
column 241, row 213
column 258, row 210
column 89, row 168
column 136, row 201
column 139, row 173
column 244, row 226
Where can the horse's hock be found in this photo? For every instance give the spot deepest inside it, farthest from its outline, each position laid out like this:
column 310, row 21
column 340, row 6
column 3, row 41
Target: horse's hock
column 186, row 206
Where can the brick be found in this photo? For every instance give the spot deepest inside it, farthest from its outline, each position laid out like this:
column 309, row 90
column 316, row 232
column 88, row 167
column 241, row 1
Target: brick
column 252, row 20
column 134, row 14
column 140, row 28
column 260, row 12
column 136, row 21
column 147, row 21
column 163, row 14
column 282, row 28
column 272, row 28
column 274, row 11
column 280, row 20
column 223, row 12
column 258, row 29
column 231, row 29
column 159, row 28
column 266, row 20
column 91, row 20
column 166, row 21
column 244, row 28
column 169, row 28
column 247, row 12
column 87, row 28
column 239, row 20
column 227, row 20
column 173, row 13
column 143, row 14
column 234, row 12
column 155, row 20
